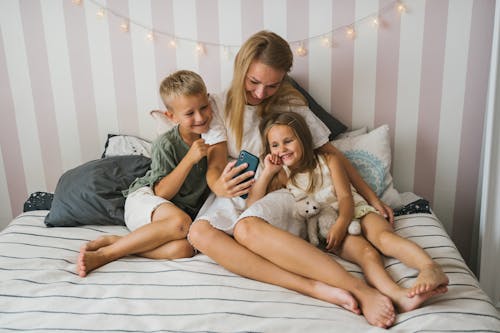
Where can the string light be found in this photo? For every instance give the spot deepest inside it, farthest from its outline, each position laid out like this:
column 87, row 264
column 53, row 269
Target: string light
column 124, row 26
column 101, row 12
column 326, row 39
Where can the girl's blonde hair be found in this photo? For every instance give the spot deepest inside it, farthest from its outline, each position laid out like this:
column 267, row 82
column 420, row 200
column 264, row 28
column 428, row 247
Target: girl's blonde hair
column 273, row 51
column 181, row 83
column 296, row 122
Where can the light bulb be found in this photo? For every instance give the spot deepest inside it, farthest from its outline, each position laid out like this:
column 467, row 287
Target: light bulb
column 101, row 12
column 124, row 26
column 301, row 51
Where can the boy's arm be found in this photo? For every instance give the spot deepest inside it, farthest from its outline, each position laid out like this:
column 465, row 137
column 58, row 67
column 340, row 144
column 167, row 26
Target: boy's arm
column 358, row 182
column 170, row 185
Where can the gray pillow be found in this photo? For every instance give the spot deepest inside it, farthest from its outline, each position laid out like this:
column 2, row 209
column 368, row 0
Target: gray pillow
column 333, row 124
column 92, row 192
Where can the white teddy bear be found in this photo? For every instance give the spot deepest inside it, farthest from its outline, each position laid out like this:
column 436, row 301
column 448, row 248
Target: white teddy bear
column 316, row 216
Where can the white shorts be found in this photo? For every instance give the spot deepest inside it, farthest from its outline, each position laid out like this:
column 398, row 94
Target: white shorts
column 276, row 208
column 139, row 207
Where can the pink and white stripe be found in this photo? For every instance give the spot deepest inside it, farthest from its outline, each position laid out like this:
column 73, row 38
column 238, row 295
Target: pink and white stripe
column 68, row 78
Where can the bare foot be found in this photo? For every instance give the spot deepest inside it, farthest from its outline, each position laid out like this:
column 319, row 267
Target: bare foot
column 336, row 296
column 428, row 279
column 99, row 242
column 405, row 304
column 90, row 260
column 377, row 308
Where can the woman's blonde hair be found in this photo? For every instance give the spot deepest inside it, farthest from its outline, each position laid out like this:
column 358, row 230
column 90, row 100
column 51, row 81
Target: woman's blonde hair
column 181, row 83
column 296, row 122
column 273, row 51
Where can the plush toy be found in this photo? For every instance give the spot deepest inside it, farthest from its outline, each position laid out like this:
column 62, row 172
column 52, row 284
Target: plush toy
column 316, row 216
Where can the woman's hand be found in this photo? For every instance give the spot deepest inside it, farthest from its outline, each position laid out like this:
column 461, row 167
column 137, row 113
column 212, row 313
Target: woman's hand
column 384, row 210
column 335, row 236
column 230, row 184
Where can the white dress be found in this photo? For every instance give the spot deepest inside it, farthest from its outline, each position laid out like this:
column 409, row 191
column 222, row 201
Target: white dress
column 275, row 208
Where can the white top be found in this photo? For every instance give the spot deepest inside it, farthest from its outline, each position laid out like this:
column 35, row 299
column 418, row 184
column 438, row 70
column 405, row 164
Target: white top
column 251, row 142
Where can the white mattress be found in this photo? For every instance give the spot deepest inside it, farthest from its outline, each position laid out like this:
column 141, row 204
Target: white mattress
column 39, row 291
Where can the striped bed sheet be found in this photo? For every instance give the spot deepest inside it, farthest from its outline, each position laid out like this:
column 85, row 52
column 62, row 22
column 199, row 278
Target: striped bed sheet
column 40, row 292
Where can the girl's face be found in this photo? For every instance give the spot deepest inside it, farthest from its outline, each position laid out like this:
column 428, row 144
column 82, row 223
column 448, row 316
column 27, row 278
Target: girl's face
column 261, row 82
column 284, row 143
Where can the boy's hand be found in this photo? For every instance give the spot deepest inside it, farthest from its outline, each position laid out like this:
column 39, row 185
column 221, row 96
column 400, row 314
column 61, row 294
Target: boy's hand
column 335, row 237
column 197, row 151
column 272, row 164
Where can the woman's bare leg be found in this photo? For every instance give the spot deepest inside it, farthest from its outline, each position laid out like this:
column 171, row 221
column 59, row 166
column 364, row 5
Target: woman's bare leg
column 430, row 278
column 294, row 255
column 239, row 260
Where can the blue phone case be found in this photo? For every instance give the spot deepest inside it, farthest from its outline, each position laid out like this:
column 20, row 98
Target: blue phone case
column 251, row 160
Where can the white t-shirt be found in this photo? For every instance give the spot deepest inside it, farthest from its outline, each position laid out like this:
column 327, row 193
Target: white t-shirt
column 275, row 208
column 251, row 142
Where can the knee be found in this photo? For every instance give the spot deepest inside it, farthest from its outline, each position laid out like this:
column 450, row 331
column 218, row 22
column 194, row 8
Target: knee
column 370, row 254
column 182, row 249
column 175, row 227
column 200, row 235
column 246, row 230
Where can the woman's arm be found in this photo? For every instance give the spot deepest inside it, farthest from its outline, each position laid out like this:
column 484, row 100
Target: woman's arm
column 221, row 175
column 357, row 181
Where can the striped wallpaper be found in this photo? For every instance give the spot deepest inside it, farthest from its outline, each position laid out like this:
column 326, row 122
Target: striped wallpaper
column 69, row 77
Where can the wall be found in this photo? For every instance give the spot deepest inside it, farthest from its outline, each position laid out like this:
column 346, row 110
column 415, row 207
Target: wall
column 69, row 77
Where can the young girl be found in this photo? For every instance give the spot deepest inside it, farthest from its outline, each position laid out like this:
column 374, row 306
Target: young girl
column 290, row 161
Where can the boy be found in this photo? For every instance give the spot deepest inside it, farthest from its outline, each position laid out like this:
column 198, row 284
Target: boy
column 161, row 205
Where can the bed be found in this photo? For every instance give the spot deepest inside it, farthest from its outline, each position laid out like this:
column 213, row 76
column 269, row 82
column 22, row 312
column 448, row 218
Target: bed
column 40, row 291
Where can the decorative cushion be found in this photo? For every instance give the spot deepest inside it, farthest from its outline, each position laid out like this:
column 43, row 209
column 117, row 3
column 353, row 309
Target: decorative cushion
column 117, row 145
column 333, row 124
column 92, row 192
column 370, row 153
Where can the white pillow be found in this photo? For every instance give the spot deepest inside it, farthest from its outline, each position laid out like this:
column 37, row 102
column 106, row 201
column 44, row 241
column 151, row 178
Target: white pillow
column 370, row 153
column 350, row 134
column 118, row 145
column 163, row 124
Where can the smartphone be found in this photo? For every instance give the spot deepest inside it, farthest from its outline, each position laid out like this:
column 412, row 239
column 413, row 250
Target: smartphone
column 252, row 162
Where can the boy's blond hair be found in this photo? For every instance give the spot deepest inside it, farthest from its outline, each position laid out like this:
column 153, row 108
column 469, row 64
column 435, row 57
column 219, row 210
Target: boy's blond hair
column 181, row 83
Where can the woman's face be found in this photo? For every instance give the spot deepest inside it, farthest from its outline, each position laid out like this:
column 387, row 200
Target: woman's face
column 261, row 82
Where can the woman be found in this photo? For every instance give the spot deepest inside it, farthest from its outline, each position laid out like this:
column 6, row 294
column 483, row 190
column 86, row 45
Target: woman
column 260, row 250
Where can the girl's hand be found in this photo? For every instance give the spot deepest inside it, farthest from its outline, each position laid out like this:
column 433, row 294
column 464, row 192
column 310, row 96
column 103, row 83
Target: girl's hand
column 233, row 185
column 384, row 210
column 272, row 164
column 335, row 237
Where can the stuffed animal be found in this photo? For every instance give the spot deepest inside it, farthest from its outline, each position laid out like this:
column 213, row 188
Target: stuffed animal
column 309, row 210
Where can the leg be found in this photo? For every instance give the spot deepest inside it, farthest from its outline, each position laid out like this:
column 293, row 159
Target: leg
column 147, row 239
column 358, row 250
column 298, row 256
column 430, row 278
column 236, row 258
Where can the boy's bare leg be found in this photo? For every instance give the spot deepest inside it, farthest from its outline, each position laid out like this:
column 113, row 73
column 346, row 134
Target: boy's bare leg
column 141, row 240
column 358, row 250
column 381, row 235
column 295, row 255
column 239, row 260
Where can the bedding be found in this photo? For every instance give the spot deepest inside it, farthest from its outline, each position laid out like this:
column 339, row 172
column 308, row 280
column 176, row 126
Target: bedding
column 40, row 292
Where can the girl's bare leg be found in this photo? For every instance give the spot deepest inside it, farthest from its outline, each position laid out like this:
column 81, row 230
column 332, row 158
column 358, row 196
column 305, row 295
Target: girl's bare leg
column 298, row 256
column 145, row 240
column 239, row 260
column 430, row 278
column 358, row 250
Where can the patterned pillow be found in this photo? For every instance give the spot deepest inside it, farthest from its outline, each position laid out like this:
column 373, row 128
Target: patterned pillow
column 370, row 153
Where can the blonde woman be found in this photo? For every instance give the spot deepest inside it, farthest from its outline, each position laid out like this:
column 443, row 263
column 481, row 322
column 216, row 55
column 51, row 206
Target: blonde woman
column 254, row 241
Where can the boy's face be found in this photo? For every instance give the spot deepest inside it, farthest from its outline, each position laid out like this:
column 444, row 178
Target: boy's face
column 192, row 113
